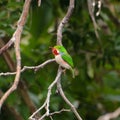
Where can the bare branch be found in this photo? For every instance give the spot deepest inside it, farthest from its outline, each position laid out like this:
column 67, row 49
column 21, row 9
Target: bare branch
column 11, row 110
column 20, row 25
column 47, row 101
column 22, row 88
column 64, row 21
column 29, row 68
column 39, row 3
column 59, row 87
column 59, row 42
column 58, row 77
column 91, row 6
column 110, row 116
column 99, row 7
column 58, row 112
column 16, row 38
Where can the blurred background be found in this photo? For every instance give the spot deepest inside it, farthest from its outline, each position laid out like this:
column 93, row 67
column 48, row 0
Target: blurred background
column 96, row 87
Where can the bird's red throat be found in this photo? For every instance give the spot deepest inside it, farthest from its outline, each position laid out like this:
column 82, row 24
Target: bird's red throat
column 55, row 51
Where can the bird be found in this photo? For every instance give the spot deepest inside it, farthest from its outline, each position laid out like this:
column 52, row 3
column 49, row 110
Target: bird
column 63, row 58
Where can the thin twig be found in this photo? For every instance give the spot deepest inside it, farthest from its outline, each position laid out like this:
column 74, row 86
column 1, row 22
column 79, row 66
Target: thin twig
column 91, row 6
column 58, row 77
column 59, row 42
column 99, row 7
column 20, row 24
column 111, row 115
column 16, row 38
column 43, row 116
column 58, row 112
column 64, row 21
column 59, row 87
column 29, row 68
column 39, row 3
column 11, row 110
column 47, row 101
column 22, row 88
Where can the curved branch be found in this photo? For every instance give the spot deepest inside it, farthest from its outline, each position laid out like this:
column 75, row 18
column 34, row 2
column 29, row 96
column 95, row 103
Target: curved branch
column 20, row 25
column 60, row 90
column 29, row 68
column 111, row 115
column 64, row 21
column 59, row 42
column 47, row 101
column 16, row 38
column 91, row 7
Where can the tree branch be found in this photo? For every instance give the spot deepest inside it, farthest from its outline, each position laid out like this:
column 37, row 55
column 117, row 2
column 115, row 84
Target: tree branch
column 29, row 68
column 47, row 101
column 22, row 88
column 59, row 42
column 59, row 88
column 91, row 7
column 58, row 112
column 64, row 21
column 111, row 115
column 39, row 2
column 58, row 77
column 20, row 25
column 16, row 38
column 11, row 110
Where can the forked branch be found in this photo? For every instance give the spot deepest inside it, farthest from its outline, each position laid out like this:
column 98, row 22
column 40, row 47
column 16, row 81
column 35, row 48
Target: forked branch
column 57, row 80
column 46, row 104
column 35, row 68
column 16, row 39
column 20, row 25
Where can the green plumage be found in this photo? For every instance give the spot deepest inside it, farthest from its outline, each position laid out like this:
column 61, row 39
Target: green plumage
column 64, row 54
column 66, row 57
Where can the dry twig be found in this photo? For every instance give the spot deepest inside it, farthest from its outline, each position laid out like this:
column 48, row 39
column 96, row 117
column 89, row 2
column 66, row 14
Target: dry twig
column 111, row 115
column 64, row 21
column 29, row 68
column 47, row 101
column 59, row 88
column 20, row 25
column 91, row 7
column 16, row 39
column 39, row 2
column 58, row 77
column 59, row 42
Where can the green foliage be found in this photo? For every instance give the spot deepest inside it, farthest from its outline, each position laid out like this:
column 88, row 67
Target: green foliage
column 95, row 89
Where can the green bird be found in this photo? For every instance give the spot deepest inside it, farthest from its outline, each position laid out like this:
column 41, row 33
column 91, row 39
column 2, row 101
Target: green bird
column 63, row 58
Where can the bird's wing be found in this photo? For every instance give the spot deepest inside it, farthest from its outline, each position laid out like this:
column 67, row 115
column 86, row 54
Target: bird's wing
column 67, row 58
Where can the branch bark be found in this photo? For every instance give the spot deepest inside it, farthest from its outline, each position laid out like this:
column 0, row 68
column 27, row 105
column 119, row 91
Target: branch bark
column 47, row 101
column 111, row 115
column 91, row 7
column 22, row 87
column 58, row 77
column 35, row 68
column 59, row 42
column 20, row 25
column 64, row 21
column 60, row 90
column 11, row 110
column 16, row 38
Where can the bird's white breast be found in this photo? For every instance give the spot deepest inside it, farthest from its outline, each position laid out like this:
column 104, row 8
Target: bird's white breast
column 61, row 62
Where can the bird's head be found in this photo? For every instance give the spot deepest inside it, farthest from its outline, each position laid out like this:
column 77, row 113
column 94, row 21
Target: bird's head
column 55, row 51
column 58, row 49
